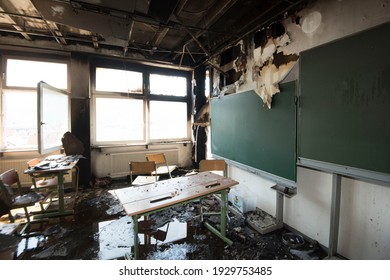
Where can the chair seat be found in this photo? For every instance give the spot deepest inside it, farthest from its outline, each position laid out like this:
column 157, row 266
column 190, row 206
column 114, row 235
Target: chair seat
column 164, row 170
column 144, row 180
column 27, row 199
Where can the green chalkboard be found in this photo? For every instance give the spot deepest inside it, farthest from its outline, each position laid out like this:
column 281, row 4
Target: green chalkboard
column 344, row 108
column 246, row 132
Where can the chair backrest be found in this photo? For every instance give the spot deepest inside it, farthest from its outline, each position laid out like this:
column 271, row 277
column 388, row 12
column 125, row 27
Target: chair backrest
column 10, row 178
column 33, row 162
column 160, row 159
column 141, row 167
column 213, row 165
column 157, row 158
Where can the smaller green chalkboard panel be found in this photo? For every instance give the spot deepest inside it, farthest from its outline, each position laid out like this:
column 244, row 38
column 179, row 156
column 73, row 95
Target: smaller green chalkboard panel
column 246, row 132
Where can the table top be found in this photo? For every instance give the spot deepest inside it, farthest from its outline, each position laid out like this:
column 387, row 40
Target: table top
column 144, row 199
column 54, row 164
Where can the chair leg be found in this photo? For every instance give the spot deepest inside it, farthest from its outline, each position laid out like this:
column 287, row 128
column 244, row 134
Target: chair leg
column 27, row 214
column 11, row 217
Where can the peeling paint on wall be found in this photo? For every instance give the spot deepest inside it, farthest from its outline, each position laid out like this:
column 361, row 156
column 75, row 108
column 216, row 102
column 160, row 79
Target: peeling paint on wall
column 261, row 57
column 271, row 67
column 268, row 83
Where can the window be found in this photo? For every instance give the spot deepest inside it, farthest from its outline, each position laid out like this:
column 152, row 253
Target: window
column 115, row 80
column 124, row 112
column 168, row 85
column 119, row 120
column 168, row 120
column 19, row 119
column 19, row 99
column 55, row 74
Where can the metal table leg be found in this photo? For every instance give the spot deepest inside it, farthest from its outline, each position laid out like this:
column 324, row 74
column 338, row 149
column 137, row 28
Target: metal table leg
column 136, row 241
column 222, row 233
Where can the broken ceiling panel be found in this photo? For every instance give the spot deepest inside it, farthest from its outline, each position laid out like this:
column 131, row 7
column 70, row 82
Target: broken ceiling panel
column 162, row 10
column 178, row 32
column 65, row 14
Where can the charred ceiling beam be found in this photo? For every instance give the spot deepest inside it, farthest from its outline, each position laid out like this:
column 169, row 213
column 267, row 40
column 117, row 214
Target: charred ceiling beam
column 20, row 25
column 25, row 31
column 129, row 38
column 39, row 32
column 54, row 32
column 18, row 22
column 212, row 15
column 159, row 36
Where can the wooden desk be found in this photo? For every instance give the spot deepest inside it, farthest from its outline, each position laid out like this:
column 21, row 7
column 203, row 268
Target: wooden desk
column 148, row 199
column 58, row 166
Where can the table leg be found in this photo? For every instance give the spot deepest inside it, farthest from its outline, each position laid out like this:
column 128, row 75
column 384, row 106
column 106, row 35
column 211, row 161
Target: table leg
column 222, row 232
column 61, row 202
column 224, row 206
column 135, row 230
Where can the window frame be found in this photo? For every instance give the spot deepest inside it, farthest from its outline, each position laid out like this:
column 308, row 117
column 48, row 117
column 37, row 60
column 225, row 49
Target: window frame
column 48, row 58
column 146, row 96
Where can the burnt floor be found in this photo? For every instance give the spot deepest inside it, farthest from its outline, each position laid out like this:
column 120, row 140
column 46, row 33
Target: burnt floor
column 100, row 229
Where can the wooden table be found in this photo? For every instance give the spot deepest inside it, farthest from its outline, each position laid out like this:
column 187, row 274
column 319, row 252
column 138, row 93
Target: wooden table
column 148, row 199
column 58, row 166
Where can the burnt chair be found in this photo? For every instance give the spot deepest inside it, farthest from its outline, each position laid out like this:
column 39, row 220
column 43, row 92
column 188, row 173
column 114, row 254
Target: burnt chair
column 13, row 198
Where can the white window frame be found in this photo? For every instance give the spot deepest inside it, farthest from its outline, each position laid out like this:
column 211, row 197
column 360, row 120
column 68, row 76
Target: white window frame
column 146, row 97
column 4, row 58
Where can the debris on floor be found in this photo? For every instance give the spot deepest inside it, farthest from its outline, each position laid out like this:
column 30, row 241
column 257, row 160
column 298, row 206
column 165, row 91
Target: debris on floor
column 100, row 229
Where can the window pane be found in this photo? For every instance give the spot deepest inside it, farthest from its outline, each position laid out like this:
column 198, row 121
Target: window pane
column 55, row 74
column 20, row 119
column 168, row 85
column 168, row 120
column 115, row 80
column 119, row 119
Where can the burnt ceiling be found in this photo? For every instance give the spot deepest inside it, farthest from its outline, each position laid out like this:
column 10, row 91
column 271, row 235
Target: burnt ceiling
column 180, row 32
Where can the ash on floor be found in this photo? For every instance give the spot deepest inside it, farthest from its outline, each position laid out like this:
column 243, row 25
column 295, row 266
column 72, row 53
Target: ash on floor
column 100, row 229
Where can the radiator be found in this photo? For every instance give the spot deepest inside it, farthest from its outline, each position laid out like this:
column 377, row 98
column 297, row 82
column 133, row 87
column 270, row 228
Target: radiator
column 20, row 165
column 119, row 162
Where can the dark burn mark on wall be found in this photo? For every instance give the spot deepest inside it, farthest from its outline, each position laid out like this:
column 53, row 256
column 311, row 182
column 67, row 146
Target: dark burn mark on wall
column 230, row 55
column 280, row 58
column 231, row 77
column 238, row 58
column 275, row 30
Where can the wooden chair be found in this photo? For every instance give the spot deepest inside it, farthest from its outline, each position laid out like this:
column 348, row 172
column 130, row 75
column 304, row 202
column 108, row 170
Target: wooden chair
column 41, row 182
column 142, row 168
column 15, row 201
column 213, row 165
column 162, row 164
